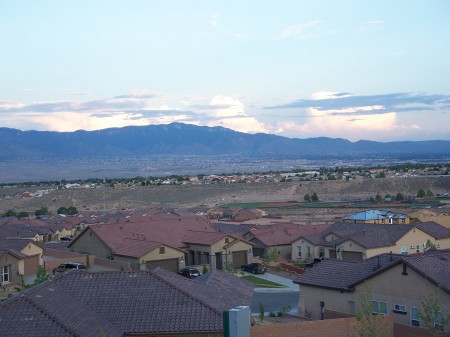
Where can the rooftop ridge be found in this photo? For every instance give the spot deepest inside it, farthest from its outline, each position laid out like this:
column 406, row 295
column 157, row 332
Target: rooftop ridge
column 155, row 272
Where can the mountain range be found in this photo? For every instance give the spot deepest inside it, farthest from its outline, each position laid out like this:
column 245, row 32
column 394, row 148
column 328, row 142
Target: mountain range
column 186, row 139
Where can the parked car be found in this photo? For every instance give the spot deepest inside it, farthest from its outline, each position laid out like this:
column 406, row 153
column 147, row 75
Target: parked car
column 190, row 272
column 65, row 238
column 254, row 268
column 69, row 266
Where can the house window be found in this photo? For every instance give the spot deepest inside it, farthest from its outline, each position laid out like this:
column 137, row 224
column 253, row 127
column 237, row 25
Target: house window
column 321, row 252
column 379, row 308
column 400, row 308
column 5, row 274
column 299, row 249
column 351, row 307
column 404, row 250
column 403, row 220
column 438, row 323
column 417, row 248
column 162, row 250
column 308, row 251
column 415, row 320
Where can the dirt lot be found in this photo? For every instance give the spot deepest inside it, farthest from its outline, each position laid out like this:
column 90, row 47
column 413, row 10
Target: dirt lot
column 183, row 196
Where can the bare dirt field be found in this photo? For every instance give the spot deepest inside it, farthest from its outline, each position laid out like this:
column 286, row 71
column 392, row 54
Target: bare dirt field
column 184, row 196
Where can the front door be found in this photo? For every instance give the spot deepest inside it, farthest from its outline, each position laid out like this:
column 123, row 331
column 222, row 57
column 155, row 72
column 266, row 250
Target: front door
column 219, row 264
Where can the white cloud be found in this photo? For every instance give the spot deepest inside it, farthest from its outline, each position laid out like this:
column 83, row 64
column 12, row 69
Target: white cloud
column 374, row 22
column 304, row 31
column 213, row 19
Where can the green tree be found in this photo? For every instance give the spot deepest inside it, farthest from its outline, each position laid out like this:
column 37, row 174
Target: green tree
column 421, row 193
column 307, row 197
column 429, row 193
column 432, row 316
column 400, row 196
column 372, row 199
column 314, row 197
column 71, row 210
column 369, row 325
column 42, row 211
column 62, row 210
column 9, row 213
column 378, row 198
column 21, row 215
column 387, row 196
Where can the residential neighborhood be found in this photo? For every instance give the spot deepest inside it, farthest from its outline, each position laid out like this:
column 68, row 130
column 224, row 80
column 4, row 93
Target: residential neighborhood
column 331, row 262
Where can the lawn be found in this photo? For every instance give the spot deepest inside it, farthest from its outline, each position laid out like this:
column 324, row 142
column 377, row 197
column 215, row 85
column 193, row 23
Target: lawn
column 261, row 283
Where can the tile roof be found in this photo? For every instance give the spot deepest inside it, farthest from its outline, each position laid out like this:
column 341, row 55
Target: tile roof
column 285, row 235
column 166, row 228
column 116, row 303
column 203, row 238
column 136, row 248
column 345, row 275
column 434, row 229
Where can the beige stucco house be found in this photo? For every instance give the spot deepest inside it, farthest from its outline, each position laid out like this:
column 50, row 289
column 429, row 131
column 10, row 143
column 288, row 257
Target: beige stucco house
column 358, row 241
column 397, row 284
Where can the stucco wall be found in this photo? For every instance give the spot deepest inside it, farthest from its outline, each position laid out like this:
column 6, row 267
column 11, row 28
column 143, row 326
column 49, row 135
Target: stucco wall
column 169, row 253
column 391, row 287
column 89, row 243
column 31, row 249
column 413, row 237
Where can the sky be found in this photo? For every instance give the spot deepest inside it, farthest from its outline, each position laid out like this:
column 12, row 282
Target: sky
column 372, row 70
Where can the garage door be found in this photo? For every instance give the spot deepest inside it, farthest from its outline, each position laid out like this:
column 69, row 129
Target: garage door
column 352, row 256
column 239, row 258
column 332, row 254
column 169, row 264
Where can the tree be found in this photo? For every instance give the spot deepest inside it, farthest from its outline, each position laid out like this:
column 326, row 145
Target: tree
column 21, row 215
column 400, row 196
column 369, row 325
column 307, row 197
column 421, row 193
column 378, row 198
column 42, row 211
column 71, row 210
column 431, row 315
column 314, row 197
column 9, row 213
column 387, row 196
column 429, row 193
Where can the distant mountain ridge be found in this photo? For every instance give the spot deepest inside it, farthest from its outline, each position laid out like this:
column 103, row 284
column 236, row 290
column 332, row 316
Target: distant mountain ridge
column 186, row 139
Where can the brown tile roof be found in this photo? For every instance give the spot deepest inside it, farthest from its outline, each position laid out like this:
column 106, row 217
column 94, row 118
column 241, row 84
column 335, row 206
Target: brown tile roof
column 285, row 235
column 166, row 228
column 434, row 229
column 136, row 248
column 203, row 238
column 345, row 275
column 116, row 303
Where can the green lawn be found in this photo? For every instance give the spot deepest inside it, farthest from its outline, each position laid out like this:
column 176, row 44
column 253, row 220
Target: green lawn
column 261, row 283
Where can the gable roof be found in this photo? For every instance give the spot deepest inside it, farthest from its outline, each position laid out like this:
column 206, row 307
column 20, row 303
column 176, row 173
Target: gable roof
column 285, row 235
column 138, row 248
column 165, row 228
column 434, row 266
column 116, row 303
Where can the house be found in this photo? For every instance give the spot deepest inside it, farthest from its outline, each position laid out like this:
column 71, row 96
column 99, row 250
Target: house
column 397, row 282
column 19, row 260
column 280, row 238
column 377, row 217
column 350, row 241
column 113, row 304
column 171, row 241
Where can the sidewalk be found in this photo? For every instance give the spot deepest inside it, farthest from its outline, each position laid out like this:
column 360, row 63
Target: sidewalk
column 290, row 286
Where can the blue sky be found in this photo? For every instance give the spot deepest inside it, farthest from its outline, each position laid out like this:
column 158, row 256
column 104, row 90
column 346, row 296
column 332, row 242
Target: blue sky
column 376, row 70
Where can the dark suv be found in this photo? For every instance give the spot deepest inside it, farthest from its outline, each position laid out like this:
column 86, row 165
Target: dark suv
column 190, row 272
column 69, row 266
column 254, row 268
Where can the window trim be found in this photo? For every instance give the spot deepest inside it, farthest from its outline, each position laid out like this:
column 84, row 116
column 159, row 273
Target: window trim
column 5, row 270
column 400, row 309
column 417, row 319
column 378, row 307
